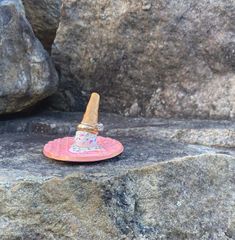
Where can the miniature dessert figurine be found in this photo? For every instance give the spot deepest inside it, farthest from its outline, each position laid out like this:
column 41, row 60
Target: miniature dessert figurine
column 86, row 146
column 87, row 130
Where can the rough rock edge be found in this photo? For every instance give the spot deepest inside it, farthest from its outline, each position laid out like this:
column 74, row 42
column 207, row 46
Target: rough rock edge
column 18, row 5
column 108, row 205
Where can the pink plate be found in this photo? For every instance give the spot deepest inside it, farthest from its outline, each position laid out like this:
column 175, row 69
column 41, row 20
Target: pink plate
column 58, row 149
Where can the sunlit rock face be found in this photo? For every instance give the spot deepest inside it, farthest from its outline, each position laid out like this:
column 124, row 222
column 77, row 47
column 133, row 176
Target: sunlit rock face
column 44, row 16
column 154, row 58
column 27, row 74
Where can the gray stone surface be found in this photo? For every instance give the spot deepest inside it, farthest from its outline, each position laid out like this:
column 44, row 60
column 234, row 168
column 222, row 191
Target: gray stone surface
column 202, row 132
column 161, row 187
column 154, row 58
column 27, row 74
column 44, row 16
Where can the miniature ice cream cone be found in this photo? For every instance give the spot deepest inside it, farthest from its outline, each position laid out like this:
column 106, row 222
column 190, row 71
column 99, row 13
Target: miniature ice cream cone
column 87, row 130
column 90, row 118
column 86, row 146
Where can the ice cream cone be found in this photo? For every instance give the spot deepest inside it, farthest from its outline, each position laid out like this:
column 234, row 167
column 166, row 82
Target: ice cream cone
column 86, row 145
column 90, row 118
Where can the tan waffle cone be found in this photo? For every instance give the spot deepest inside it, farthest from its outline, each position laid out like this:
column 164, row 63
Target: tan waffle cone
column 90, row 117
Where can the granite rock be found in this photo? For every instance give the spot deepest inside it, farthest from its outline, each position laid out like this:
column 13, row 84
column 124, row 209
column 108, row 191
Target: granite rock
column 27, row 73
column 44, row 16
column 212, row 133
column 152, row 58
column 159, row 188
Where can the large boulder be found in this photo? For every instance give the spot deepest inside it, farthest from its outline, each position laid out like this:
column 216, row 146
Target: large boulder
column 27, row 73
column 44, row 16
column 159, row 58
column 159, row 188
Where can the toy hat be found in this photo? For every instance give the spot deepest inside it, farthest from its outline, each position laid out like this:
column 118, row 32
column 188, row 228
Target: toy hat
column 86, row 146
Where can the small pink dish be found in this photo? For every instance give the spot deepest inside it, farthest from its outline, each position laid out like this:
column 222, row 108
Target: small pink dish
column 58, row 149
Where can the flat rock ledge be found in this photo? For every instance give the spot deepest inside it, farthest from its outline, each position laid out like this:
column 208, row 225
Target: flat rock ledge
column 175, row 180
